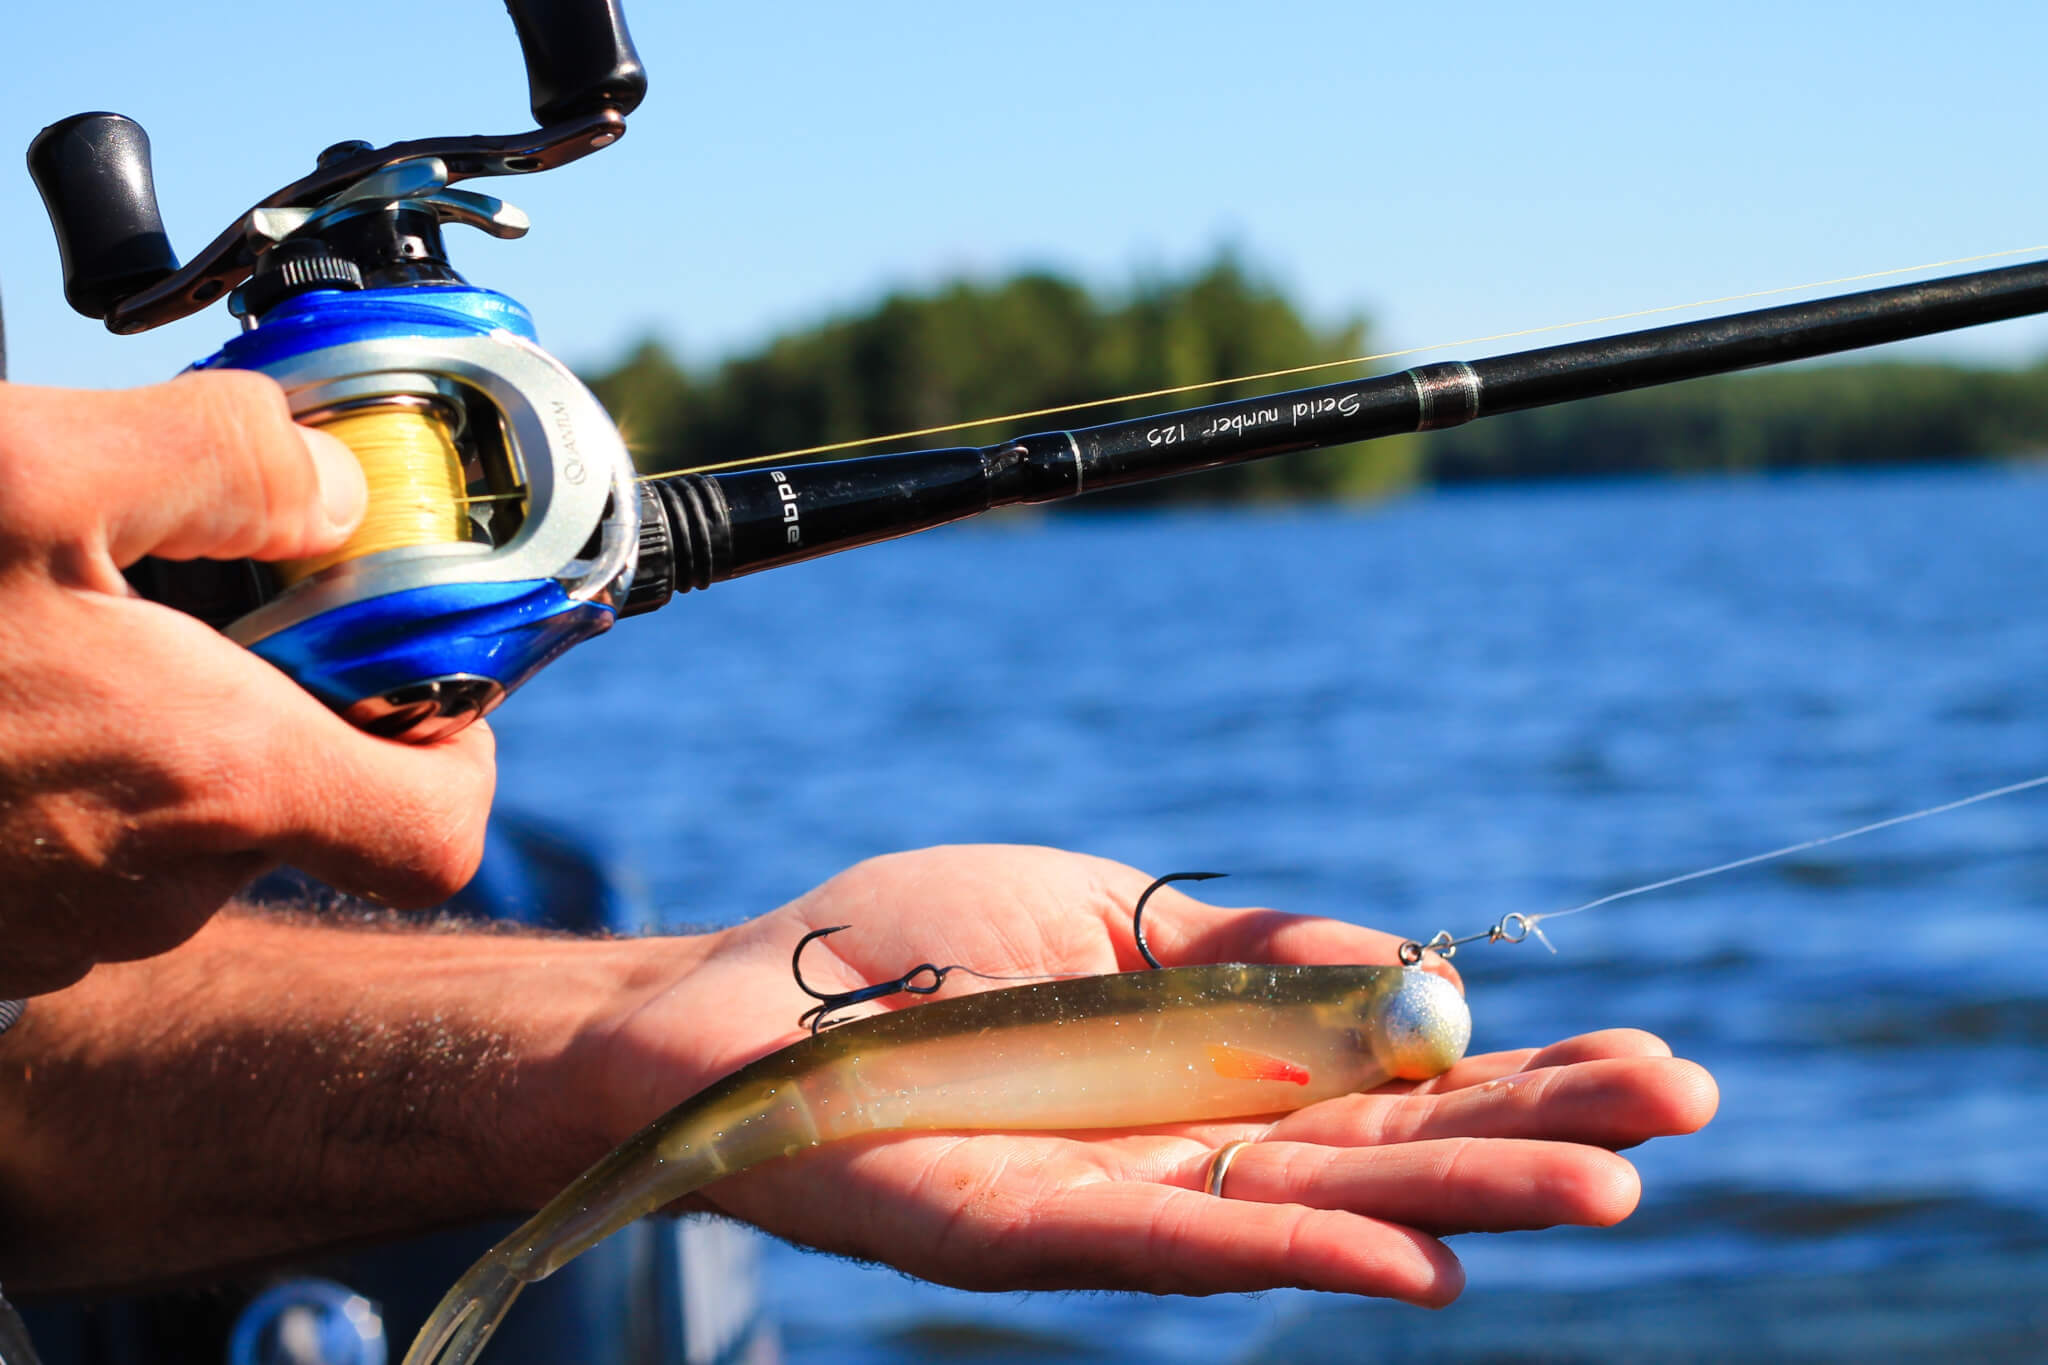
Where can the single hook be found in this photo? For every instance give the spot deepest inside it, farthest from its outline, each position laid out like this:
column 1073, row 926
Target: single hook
column 830, row 1002
column 1138, row 911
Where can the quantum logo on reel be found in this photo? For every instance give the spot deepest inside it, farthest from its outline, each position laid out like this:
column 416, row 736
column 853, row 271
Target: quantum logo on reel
column 565, row 437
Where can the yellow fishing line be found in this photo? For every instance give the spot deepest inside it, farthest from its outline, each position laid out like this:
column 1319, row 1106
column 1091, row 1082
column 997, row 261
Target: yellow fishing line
column 416, row 484
column 781, row 457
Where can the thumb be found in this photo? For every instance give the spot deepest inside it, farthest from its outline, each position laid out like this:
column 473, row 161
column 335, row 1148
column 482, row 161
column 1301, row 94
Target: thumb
column 211, row 465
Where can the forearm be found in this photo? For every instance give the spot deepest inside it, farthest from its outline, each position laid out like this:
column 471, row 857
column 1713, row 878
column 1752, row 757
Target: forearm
column 276, row 1085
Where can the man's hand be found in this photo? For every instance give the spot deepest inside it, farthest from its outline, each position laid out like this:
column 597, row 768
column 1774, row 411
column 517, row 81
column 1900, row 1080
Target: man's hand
column 1351, row 1194
column 148, row 767
column 299, row 1085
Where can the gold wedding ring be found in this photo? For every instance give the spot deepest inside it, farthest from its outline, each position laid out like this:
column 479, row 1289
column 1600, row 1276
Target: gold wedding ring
column 1219, row 1165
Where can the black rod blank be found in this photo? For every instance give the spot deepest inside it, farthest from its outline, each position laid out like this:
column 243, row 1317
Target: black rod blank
column 725, row 525
column 1447, row 394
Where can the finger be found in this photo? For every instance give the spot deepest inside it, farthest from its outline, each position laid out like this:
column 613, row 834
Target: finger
column 1468, row 1071
column 399, row 823
column 1189, row 1242
column 1601, row 1045
column 1443, row 1186
column 1613, row 1102
column 264, row 765
column 1166, row 1240
column 211, row 465
column 1581, row 1048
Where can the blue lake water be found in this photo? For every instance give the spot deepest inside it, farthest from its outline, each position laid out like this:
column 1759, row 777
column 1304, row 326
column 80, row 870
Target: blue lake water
column 1420, row 716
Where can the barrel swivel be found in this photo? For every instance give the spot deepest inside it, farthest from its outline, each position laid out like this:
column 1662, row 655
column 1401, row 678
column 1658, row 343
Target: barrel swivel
column 1512, row 928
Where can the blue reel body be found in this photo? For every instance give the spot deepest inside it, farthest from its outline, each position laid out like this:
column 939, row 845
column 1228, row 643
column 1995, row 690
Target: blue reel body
column 417, row 643
column 406, row 646
column 326, row 318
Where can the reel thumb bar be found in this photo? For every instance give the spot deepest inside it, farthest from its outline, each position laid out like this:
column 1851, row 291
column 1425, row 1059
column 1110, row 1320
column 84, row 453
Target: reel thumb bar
column 701, row 529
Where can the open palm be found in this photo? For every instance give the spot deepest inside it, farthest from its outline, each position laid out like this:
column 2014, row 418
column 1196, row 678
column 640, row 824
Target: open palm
column 1351, row 1194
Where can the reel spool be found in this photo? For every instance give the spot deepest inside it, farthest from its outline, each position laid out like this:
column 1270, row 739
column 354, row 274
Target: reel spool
column 417, row 487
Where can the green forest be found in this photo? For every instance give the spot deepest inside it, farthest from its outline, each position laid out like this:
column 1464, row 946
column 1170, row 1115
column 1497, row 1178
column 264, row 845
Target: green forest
column 971, row 349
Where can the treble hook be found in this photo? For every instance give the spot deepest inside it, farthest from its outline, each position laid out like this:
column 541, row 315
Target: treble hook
column 830, row 1002
column 1138, row 912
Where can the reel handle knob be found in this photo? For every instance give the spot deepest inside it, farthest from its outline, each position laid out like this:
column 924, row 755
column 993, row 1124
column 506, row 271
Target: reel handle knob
column 579, row 57
column 93, row 171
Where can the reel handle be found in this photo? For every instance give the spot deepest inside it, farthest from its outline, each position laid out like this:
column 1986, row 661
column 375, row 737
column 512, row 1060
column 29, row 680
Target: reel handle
column 579, row 58
column 94, row 174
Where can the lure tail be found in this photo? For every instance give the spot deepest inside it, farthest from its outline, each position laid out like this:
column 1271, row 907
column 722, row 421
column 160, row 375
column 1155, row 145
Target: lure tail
column 638, row 1177
column 465, row 1318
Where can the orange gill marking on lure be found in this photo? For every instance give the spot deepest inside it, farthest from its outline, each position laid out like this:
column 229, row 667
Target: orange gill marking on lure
column 1243, row 1064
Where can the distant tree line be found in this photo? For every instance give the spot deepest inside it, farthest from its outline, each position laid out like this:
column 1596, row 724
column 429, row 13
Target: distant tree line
column 968, row 349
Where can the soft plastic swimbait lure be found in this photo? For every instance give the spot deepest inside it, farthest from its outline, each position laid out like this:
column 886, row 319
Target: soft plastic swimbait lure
column 1117, row 1051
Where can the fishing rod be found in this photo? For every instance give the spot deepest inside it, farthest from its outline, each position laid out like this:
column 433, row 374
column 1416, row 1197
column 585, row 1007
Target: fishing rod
column 723, row 525
column 506, row 522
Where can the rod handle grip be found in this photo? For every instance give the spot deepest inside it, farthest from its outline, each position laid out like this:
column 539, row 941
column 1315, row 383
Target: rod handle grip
column 579, row 57
column 94, row 174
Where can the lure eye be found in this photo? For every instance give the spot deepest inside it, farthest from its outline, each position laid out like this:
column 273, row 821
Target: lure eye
column 1421, row 1027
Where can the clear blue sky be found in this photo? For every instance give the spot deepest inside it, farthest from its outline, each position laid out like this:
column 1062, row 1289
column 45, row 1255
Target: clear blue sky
column 1452, row 171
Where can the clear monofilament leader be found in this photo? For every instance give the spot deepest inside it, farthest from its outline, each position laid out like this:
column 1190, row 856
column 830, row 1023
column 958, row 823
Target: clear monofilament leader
column 1513, row 928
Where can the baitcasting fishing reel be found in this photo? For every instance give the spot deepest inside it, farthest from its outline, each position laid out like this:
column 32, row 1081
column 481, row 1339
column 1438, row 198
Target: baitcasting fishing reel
column 503, row 521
